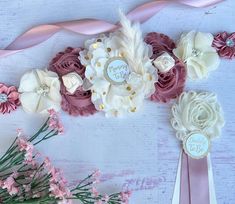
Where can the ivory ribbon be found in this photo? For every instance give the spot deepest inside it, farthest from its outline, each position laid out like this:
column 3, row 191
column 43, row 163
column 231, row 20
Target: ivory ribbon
column 141, row 14
column 194, row 182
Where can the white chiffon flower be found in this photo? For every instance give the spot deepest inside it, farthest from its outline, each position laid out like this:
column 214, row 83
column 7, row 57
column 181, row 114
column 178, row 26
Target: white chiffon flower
column 121, row 76
column 164, row 62
column 40, row 91
column 197, row 112
column 195, row 49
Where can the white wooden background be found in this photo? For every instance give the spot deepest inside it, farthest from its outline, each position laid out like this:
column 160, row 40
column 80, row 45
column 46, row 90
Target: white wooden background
column 139, row 153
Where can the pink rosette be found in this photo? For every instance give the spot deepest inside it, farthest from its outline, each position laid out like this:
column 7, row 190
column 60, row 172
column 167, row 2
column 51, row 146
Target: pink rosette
column 9, row 98
column 170, row 84
column 224, row 43
column 78, row 103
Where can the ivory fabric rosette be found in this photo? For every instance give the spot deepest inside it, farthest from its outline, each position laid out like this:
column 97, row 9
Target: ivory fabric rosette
column 197, row 119
column 119, row 70
column 40, row 91
column 197, row 112
column 76, row 99
column 195, row 49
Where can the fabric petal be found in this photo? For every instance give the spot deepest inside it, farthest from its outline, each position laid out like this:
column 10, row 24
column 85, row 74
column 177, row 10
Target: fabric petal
column 46, row 103
column 203, row 41
column 29, row 101
column 29, row 82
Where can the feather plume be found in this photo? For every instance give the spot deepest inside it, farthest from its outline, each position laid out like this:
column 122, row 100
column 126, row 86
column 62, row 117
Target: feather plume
column 133, row 44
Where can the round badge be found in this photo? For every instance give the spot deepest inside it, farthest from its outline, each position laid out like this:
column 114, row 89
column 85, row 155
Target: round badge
column 116, row 70
column 197, row 145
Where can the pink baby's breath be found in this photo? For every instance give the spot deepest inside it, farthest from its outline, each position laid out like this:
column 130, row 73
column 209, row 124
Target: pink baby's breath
column 27, row 188
column 96, row 175
column 59, row 190
column 125, row 196
column 56, row 191
column 19, row 132
column 94, row 191
column 47, row 163
column 29, row 158
column 24, row 145
column 106, row 198
column 99, row 202
column 36, row 195
column 54, row 121
column 9, row 184
column 28, row 147
column 65, row 201
column 56, row 175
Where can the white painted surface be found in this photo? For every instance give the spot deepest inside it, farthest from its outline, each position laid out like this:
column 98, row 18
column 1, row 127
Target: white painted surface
column 140, row 152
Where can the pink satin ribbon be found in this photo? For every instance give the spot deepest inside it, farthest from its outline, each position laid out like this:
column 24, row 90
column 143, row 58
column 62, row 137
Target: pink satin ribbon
column 141, row 14
column 194, row 186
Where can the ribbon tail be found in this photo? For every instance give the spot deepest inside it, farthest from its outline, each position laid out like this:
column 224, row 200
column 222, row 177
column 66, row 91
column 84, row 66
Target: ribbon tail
column 211, row 182
column 194, row 181
column 176, row 194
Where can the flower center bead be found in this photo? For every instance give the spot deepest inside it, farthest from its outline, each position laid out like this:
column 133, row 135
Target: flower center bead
column 43, row 90
column 230, row 43
column 3, row 98
column 196, row 52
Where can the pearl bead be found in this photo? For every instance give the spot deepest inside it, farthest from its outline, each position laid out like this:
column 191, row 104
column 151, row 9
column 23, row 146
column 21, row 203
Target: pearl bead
column 230, row 43
column 3, row 98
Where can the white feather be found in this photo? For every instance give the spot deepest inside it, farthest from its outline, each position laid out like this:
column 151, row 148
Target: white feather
column 133, row 44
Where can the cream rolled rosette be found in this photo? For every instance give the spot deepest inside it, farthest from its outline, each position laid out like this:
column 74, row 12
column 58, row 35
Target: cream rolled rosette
column 195, row 49
column 197, row 112
column 164, row 62
column 72, row 81
column 40, row 91
column 121, row 77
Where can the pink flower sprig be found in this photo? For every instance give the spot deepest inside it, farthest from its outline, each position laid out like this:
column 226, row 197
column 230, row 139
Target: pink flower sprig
column 54, row 121
column 24, row 179
column 35, row 183
column 87, row 192
column 21, row 150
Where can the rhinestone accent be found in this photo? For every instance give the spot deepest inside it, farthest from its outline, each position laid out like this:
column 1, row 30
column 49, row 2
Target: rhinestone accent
column 43, row 90
column 230, row 43
column 196, row 52
column 3, row 98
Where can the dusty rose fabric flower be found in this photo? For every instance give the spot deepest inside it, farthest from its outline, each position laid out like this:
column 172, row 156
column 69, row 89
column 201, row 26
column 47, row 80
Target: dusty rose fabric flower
column 9, row 98
column 160, row 43
column 224, row 43
column 170, row 84
column 78, row 103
